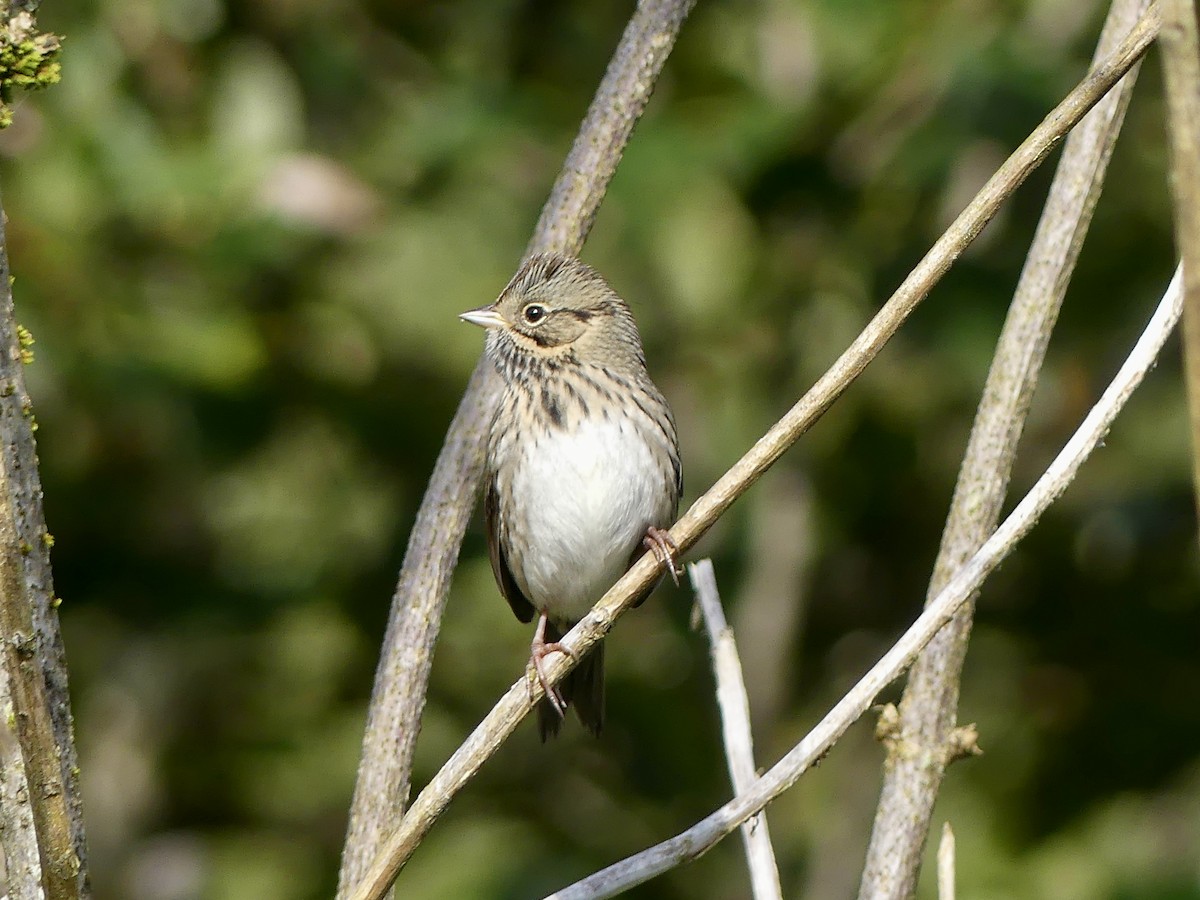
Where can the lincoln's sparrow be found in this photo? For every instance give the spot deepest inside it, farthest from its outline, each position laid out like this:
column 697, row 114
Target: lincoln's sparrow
column 582, row 461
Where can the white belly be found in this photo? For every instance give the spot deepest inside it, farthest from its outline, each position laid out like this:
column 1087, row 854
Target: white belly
column 588, row 495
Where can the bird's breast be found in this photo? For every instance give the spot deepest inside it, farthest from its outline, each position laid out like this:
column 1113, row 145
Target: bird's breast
column 581, row 499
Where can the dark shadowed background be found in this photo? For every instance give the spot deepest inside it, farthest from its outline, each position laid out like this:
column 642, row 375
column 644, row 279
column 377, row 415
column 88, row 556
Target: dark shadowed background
column 241, row 233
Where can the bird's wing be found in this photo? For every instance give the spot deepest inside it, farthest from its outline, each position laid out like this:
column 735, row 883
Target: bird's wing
column 521, row 606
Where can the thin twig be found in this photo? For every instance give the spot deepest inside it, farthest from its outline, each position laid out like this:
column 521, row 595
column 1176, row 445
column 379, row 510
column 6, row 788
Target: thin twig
column 922, row 743
column 946, row 863
column 734, row 705
column 401, row 679
column 1181, row 69
column 519, row 699
column 702, row 836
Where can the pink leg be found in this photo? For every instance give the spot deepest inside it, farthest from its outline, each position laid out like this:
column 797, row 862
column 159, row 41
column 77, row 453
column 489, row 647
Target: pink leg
column 539, row 650
column 664, row 548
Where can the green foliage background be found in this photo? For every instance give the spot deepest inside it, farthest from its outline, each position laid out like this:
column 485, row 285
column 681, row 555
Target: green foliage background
column 241, row 233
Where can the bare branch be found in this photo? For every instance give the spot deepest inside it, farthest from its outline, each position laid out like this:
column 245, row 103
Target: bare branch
column 921, row 748
column 735, row 728
column 702, row 836
column 398, row 697
column 568, row 215
column 945, row 863
column 35, row 674
column 1181, row 65
column 518, row 701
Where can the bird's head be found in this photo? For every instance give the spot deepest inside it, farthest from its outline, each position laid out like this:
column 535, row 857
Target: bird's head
column 559, row 310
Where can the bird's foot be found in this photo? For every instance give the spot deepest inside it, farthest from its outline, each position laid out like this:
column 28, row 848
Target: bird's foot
column 538, row 651
column 659, row 542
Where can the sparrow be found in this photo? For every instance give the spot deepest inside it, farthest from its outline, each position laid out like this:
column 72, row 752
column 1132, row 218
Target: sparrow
column 582, row 469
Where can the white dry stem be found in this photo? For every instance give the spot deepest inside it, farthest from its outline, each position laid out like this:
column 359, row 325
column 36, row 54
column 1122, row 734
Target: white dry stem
column 946, row 864
column 734, row 705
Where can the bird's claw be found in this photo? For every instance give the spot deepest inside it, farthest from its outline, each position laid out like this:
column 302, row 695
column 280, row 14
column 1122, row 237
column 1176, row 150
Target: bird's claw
column 538, row 652
column 659, row 542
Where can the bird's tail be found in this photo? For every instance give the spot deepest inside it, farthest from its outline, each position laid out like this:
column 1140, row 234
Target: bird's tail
column 583, row 687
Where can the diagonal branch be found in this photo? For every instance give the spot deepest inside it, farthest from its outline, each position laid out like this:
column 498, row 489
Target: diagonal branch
column 735, row 728
column 518, row 701
column 398, row 697
column 1181, row 68
column 921, row 746
column 706, row 833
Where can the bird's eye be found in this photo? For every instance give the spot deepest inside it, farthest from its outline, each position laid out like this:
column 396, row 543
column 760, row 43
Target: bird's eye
column 534, row 313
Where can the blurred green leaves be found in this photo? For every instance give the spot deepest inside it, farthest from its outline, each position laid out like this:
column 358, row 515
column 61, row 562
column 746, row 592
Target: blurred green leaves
column 242, row 233
column 272, row 537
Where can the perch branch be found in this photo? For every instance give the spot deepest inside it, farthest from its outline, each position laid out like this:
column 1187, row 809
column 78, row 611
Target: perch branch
column 735, row 728
column 919, row 751
column 702, row 836
column 398, row 697
column 1181, row 70
column 518, row 701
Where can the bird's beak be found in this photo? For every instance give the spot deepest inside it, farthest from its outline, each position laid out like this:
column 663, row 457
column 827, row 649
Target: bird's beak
column 485, row 316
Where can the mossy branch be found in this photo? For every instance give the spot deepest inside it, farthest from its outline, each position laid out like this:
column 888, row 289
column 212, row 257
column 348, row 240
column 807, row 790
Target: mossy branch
column 37, row 750
column 29, row 58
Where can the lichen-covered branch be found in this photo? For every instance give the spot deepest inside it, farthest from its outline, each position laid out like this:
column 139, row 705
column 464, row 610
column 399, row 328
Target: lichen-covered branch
column 924, row 739
column 35, row 675
column 398, row 697
column 28, row 57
